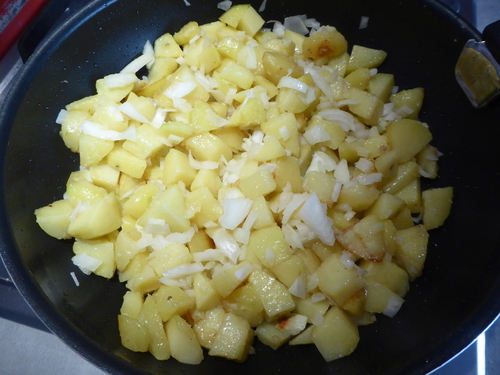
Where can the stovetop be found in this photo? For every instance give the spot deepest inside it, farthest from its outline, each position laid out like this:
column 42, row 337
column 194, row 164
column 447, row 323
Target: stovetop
column 27, row 347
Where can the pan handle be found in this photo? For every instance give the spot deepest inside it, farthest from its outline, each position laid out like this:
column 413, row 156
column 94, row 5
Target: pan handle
column 491, row 36
column 51, row 14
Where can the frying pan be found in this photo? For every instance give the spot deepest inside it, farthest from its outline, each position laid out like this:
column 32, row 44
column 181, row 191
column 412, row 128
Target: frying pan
column 456, row 298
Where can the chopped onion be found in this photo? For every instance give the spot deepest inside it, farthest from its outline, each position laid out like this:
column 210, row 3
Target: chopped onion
column 312, row 282
column 250, row 220
column 393, row 306
column 182, row 271
column 294, row 324
column 241, row 235
column 179, row 89
column 279, row 29
column 129, row 109
column 317, row 319
column 225, row 242
column 318, row 296
column 263, row 6
column 369, row 179
column 86, row 263
column 80, row 208
column 242, row 273
column 209, row 255
column 296, row 201
column 75, row 280
column 316, row 134
column 215, row 119
column 234, row 212
column 157, row 226
column 159, row 119
column 98, row 131
column 120, row 80
column 342, row 118
column 363, row 24
column 293, row 83
column 298, row 288
column 137, row 64
column 342, row 172
column 292, row 238
column 296, row 24
column 195, row 164
column 336, row 191
column 225, row 5
column 61, row 116
column 321, row 162
column 364, row 165
column 313, row 213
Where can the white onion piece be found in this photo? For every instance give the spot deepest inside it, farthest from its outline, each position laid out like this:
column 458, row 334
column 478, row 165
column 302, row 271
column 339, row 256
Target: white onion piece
column 86, row 263
column 313, row 213
column 363, row 24
column 182, row 271
column 179, row 89
column 195, row 164
column 364, row 165
column 318, row 296
column 316, row 134
column 393, row 306
column 209, row 255
column 299, row 287
column 137, row 64
column 296, row 24
column 296, row 201
column 263, row 6
column 242, row 273
column 98, row 131
column 342, row 172
column 157, row 226
column 225, row 5
column 225, row 242
column 120, row 80
column 61, row 116
column 132, row 112
column 322, row 162
column 293, row 83
column 75, row 280
column 292, row 238
column 234, row 212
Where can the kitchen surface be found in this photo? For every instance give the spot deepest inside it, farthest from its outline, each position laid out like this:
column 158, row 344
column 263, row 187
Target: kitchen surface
column 26, row 347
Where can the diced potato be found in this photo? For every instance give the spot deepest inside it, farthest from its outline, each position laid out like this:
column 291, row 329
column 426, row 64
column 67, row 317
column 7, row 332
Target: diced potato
column 278, row 65
column 230, row 278
column 187, row 32
column 101, row 249
column 105, row 176
column 176, row 167
column 411, row 195
column 126, row 162
column 258, row 184
column 327, row 42
column 409, row 101
column 208, row 147
column 245, row 302
column 369, row 107
column 313, row 310
column 54, row 219
column 269, row 245
column 149, row 318
column 269, row 334
column 388, row 274
column 412, row 249
column 132, row 304
column 436, row 206
column 408, row 137
column 171, row 301
column 202, row 207
column 427, row 161
column 336, row 280
column 102, row 217
column 380, row 299
column 337, row 336
column 138, row 202
column 184, row 346
column 70, row 128
column 358, row 196
column 364, row 57
column 166, row 46
column 133, row 335
column 233, row 340
column 170, row 256
column 275, row 297
column 386, row 206
column 207, row 327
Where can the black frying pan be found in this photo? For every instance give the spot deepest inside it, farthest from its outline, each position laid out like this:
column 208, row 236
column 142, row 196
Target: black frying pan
column 455, row 299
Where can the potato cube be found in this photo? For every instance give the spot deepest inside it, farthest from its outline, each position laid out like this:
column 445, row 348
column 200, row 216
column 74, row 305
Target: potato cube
column 208, row 178
column 388, row 274
column 105, row 176
column 412, row 250
column 250, row 113
column 133, row 335
column 170, row 207
column 150, row 319
column 386, row 206
column 380, row 299
column 409, row 101
column 359, row 78
column 364, row 57
column 381, row 85
column 368, row 106
column 358, row 196
column 328, row 42
column 208, row 147
column 411, row 195
column 269, row 245
column 54, row 219
column 233, row 340
column 184, row 346
column 102, row 249
column 207, row 327
column 171, row 301
column 102, row 217
column 336, row 280
column 177, row 168
column 245, row 302
column 70, row 128
column 269, row 334
column 313, row 310
column 206, row 296
column 337, row 336
column 126, row 162
column 92, row 150
column 166, row 46
column 405, row 174
column 258, row 184
column 227, row 280
column 436, row 206
column 250, row 22
column 132, row 304
column 170, row 256
column 275, row 297
column 408, row 137
column 278, row 65
column 202, row 207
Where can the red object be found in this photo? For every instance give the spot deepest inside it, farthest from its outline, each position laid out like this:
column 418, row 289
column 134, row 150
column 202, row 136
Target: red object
column 18, row 23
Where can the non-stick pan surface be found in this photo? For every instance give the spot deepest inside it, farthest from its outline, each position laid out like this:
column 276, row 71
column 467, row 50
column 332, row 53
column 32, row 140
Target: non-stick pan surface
column 458, row 295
